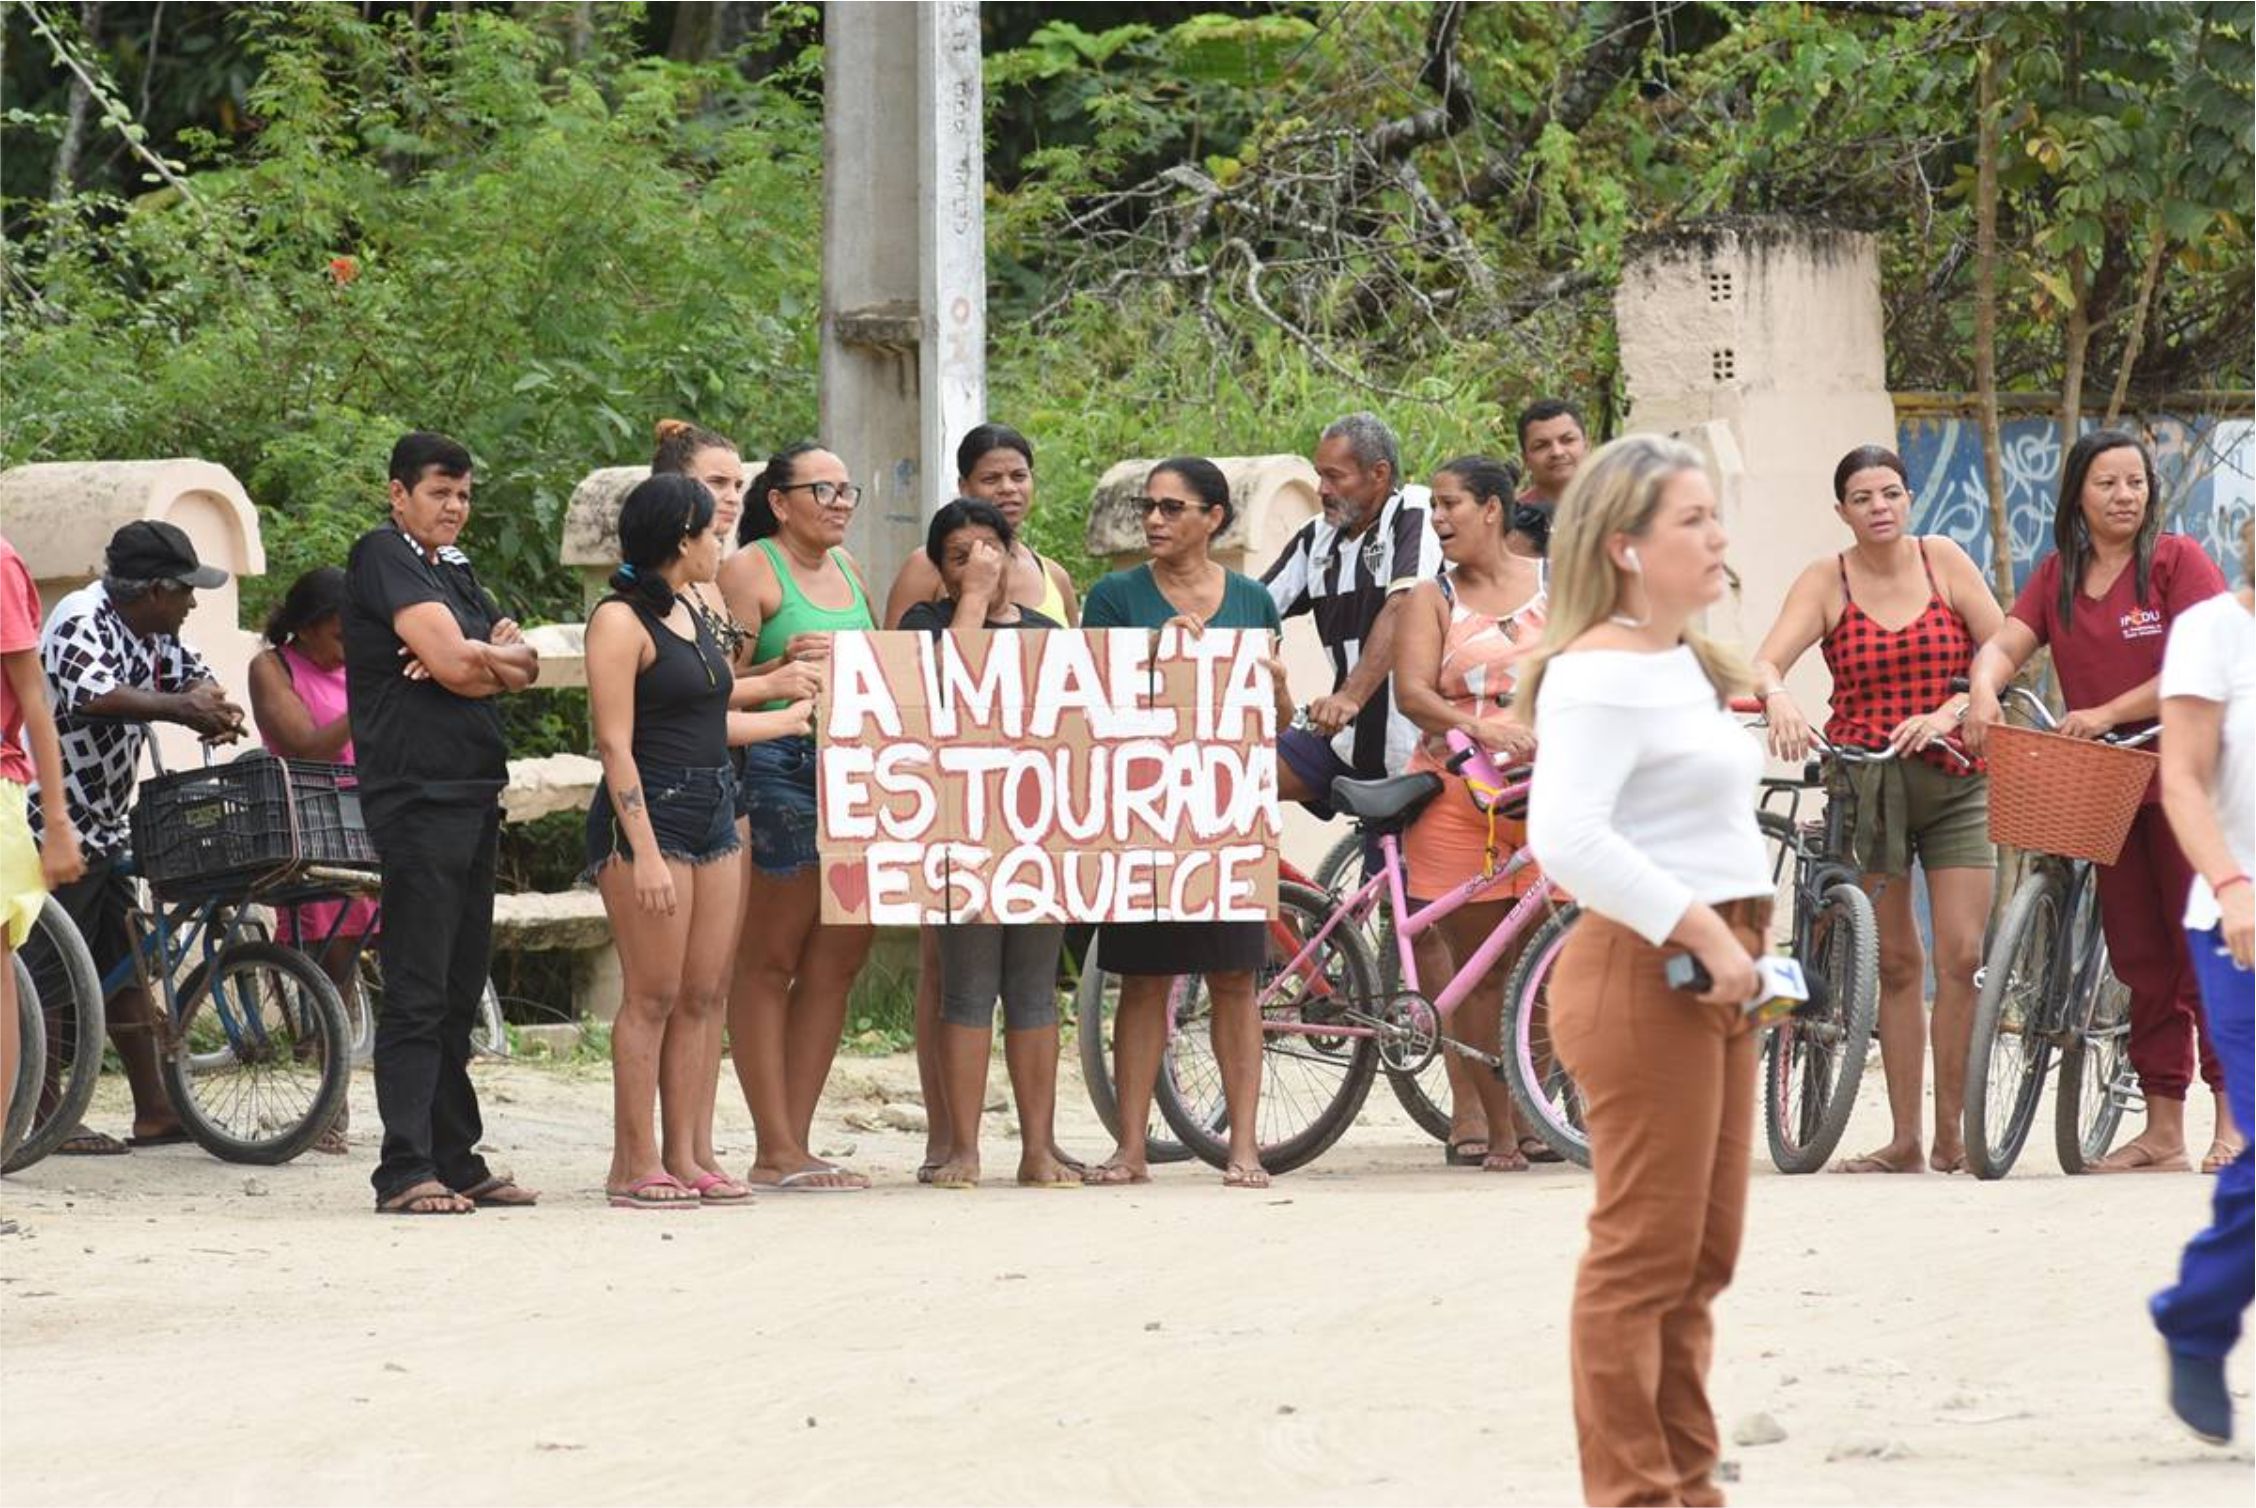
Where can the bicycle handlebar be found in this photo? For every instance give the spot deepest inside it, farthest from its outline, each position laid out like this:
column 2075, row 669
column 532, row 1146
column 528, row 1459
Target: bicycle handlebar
column 1842, row 753
column 2041, row 715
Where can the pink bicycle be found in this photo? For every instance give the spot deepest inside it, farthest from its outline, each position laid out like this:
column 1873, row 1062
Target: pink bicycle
column 1326, row 1023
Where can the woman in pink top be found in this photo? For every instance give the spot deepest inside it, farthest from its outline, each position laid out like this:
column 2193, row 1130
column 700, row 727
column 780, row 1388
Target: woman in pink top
column 298, row 701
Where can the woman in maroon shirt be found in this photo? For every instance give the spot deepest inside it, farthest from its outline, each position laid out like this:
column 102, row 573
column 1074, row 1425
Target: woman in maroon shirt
column 2104, row 601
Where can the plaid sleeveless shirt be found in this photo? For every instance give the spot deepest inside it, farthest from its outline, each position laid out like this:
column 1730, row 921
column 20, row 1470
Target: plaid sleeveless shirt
column 1882, row 676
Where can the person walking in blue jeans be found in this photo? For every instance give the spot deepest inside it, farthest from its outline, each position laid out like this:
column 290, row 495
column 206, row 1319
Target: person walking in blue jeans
column 2209, row 792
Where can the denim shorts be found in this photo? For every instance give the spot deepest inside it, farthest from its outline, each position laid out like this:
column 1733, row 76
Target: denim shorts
column 692, row 815
column 779, row 798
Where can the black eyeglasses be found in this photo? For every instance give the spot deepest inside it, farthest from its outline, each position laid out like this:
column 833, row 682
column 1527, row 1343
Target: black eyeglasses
column 1170, row 507
column 827, row 493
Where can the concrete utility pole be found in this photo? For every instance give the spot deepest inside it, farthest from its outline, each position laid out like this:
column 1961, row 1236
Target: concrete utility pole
column 904, row 331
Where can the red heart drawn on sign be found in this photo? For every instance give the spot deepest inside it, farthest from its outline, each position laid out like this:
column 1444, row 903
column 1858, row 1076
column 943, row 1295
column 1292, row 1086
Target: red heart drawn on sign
column 850, row 883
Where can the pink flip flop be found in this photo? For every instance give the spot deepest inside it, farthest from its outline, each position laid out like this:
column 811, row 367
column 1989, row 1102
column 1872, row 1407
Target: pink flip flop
column 705, row 1184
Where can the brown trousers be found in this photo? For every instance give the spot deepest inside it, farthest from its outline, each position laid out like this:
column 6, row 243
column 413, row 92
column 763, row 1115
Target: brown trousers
column 1668, row 1090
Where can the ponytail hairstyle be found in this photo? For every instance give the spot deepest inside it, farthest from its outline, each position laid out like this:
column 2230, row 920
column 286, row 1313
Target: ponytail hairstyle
column 679, row 442
column 1487, row 478
column 660, row 513
column 1617, row 491
column 759, row 520
column 1205, row 479
column 973, row 448
column 2071, row 535
column 318, row 594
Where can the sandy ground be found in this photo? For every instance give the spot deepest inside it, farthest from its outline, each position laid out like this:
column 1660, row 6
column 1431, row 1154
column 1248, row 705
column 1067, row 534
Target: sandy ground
column 1375, row 1329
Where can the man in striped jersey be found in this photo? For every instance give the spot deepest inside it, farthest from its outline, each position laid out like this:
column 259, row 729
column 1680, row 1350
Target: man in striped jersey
column 1352, row 569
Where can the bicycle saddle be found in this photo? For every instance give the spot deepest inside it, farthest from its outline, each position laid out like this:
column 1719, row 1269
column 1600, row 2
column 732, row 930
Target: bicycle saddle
column 1387, row 805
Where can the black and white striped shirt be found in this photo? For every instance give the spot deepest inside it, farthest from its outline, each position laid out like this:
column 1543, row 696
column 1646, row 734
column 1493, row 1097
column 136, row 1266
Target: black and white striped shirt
column 1345, row 582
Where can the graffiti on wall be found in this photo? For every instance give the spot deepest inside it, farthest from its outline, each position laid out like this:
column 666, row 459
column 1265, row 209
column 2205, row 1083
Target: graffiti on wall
column 2206, row 464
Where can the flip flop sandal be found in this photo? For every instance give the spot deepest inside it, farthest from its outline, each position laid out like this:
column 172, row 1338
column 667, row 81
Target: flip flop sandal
column 1536, row 1149
column 730, row 1191
column 1235, row 1177
column 799, row 1183
column 2220, row 1157
column 1109, row 1175
column 499, row 1192
column 90, row 1143
column 925, row 1170
column 2137, row 1159
column 173, row 1138
column 1459, row 1154
column 431, row 1191
column 643, row 1194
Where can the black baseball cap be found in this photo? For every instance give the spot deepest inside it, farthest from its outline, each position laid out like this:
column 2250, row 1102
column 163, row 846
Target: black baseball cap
column 152, row 550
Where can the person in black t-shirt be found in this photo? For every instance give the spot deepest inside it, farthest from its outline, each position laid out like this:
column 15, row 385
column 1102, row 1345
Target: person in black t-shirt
column 970, row 541
column 426, row 651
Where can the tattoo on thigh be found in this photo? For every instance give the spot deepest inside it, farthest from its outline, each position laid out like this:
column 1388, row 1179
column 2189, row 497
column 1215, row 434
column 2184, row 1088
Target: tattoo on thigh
column 631, row 800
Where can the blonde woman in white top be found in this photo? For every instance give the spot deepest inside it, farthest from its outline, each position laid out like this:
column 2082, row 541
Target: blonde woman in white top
column 1643, row 808
column 2209, row 794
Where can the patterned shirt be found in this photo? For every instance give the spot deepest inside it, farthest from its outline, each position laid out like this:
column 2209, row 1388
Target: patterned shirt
column 1881, row 676
column 1344, row 583
column 88, row 651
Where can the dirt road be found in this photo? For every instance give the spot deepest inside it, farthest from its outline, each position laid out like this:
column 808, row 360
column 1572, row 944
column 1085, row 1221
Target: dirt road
column 1376, row 1329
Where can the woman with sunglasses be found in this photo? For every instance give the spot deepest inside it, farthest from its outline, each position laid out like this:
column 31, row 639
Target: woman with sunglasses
column 792, row 590
column 1186, row 504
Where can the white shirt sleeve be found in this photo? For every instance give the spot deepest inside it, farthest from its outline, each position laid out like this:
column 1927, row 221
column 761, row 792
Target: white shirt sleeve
column 1588, row 754
column 1287, row 579
column 2192, row 663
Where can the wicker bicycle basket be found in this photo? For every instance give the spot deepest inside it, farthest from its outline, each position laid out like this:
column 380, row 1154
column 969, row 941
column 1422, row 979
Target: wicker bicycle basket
column 2074, row 797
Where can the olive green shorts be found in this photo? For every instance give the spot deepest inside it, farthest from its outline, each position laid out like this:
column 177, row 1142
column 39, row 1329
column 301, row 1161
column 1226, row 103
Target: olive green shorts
column 1907, row 809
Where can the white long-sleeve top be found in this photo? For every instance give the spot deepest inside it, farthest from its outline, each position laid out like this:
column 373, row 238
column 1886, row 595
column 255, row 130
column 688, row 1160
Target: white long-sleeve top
column 1644, row 793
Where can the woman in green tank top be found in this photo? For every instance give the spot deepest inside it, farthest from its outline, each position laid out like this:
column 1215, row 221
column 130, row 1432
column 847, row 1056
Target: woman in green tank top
column 787, row 1003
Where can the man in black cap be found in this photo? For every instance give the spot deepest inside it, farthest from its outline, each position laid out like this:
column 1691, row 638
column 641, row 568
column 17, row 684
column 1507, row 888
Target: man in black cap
column 115, row 664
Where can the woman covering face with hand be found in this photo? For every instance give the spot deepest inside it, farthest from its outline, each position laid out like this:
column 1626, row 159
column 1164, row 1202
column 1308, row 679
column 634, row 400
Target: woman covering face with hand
column 980, row 962
column 994, row 465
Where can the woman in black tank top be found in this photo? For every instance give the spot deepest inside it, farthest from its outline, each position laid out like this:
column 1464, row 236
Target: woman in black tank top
column 662, row 842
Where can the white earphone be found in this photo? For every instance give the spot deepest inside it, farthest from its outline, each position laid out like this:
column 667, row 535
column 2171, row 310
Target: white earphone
column 1629, row 553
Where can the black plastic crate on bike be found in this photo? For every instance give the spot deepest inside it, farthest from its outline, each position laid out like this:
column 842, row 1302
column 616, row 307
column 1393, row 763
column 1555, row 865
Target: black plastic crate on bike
column 240, row 826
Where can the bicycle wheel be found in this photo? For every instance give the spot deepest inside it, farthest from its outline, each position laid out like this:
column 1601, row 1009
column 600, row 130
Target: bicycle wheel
column 2005, row 1066
column 283, row 1029
column 31, row 1061
column 69, row 991
column 1312, row 1084
column 1813, row 1064
column 1543, row 1093
column 1094, row 1001
column 1425, row 1097
column 2096, row 1080
column 1342, row 860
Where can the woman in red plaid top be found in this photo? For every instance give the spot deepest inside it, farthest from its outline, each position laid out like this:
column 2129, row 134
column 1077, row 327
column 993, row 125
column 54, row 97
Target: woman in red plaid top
column 1898, row 617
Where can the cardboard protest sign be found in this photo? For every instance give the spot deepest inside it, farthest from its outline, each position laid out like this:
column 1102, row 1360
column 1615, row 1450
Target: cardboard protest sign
column 1048, row 776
